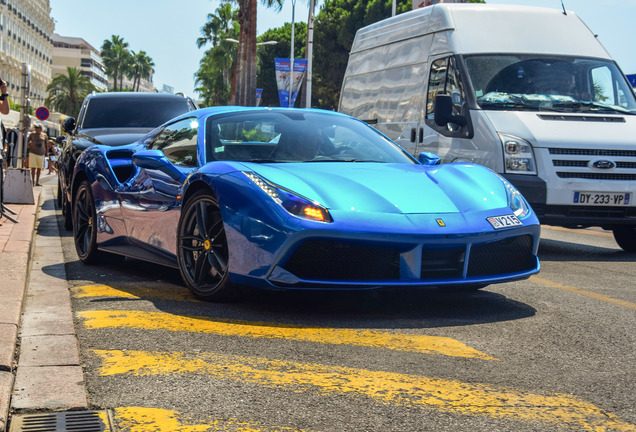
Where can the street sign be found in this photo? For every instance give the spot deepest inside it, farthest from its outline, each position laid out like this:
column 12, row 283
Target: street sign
column 42, row 113
column 632, row 80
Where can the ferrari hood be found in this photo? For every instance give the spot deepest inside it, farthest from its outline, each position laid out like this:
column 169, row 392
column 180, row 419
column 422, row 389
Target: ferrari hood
column 390, row 188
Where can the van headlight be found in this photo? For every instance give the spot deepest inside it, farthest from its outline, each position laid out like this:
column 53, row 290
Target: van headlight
column 518, row 155
column 293, row 203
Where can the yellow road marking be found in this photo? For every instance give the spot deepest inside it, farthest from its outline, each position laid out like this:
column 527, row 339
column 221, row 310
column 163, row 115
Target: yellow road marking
column 86, row 291
column 368, row 338
column 384, row 387
column 139, row 419
column 590, row 294
column 577, row 231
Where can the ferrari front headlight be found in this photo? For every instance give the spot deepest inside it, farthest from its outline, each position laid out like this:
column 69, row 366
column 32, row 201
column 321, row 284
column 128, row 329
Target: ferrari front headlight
column 516, row 201
column 293, row 203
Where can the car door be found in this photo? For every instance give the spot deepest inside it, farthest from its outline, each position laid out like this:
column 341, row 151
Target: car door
column 150, row 207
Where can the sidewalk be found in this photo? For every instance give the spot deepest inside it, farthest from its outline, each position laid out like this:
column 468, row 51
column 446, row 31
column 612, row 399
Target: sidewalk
column 35, row 314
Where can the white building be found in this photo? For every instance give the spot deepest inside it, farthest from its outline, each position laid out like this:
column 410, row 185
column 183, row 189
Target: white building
column 76, row 52
column 26, row 30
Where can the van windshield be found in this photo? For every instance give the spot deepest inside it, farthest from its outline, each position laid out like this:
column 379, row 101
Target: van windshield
column 556, row 83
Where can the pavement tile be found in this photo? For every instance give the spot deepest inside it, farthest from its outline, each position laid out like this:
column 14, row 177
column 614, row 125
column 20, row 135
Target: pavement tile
column 8, row 338
column 47, row 322
column 17, row 246
column 49, row 387
column 48, row 300
column 56, row 350
column 6, row 383
column 10, row 311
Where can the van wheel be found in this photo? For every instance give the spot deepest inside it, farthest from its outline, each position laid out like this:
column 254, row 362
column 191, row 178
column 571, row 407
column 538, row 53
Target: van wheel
column 625, row 236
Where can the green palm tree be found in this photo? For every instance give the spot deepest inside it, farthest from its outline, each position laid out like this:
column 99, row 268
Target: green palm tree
column 219, row 26
column 142, row 67
column 213, row 76
column 67, row 92
column 114, row 54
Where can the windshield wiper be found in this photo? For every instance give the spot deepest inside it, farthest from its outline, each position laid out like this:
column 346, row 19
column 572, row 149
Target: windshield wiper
column 595, row 106
column 515, row 105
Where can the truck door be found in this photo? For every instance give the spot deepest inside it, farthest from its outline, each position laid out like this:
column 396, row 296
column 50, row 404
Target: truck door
column 449, row 141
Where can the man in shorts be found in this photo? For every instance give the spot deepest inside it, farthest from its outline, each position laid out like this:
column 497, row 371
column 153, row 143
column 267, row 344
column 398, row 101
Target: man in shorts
column 37, row 144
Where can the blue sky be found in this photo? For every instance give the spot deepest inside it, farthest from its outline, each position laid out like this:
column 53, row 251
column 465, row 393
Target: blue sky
column 167, row 30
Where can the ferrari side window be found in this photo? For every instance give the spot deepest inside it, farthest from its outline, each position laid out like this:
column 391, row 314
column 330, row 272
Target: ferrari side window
column 178, row 141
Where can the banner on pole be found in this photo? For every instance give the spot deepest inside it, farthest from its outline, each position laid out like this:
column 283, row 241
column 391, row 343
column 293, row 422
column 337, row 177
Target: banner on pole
column 282, row 79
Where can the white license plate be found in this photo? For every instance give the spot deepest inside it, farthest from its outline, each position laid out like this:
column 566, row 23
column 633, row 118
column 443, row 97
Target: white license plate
column 506, row 221
column 602, row 198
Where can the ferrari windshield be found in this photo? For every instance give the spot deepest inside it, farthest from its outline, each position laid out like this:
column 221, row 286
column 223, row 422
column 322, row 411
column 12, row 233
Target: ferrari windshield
column 297, row 136
column 555, row 83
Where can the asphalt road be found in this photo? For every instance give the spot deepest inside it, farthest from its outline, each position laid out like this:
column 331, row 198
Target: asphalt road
column 555, row 352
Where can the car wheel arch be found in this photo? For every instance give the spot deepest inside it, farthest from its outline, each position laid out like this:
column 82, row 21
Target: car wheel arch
column 195, row 187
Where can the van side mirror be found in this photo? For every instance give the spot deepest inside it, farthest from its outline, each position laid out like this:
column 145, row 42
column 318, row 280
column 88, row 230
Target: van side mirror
column 156, row 160
column 443, row 113
column 427, row 158
column 68, row 124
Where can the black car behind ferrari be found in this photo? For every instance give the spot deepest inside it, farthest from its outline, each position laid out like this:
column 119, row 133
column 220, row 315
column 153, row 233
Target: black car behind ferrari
column 112, row 119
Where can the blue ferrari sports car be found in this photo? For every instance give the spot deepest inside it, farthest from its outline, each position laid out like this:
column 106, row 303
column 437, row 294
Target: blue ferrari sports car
column 298, row 198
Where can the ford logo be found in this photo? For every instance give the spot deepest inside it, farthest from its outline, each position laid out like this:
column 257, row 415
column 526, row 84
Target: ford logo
column 603, row 164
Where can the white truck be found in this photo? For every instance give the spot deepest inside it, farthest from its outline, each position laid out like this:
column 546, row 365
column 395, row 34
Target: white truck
column 528, row 92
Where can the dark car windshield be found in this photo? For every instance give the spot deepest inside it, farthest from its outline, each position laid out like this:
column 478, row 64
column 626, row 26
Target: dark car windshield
column 132, row 112
column 297, row 136
column 553, row 83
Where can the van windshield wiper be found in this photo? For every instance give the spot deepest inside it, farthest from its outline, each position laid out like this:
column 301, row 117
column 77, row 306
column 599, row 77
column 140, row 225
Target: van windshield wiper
column 595, row 106
column 520, row 106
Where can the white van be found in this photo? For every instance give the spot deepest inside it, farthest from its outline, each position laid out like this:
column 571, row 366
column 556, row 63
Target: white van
column 529, row 92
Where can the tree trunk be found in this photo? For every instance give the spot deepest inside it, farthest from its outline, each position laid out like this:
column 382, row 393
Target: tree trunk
column 244, row 76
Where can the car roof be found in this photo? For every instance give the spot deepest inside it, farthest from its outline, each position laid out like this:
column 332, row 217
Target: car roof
column 134, row 95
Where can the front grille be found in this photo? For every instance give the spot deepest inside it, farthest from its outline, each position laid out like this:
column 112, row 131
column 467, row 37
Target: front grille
column 443, row 263
column 336, row 260
column 593, row 152
column 505, row 256
column 597, row 176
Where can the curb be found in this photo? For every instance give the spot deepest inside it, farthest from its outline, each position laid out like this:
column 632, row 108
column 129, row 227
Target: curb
column 15, row 250
column 48, row 375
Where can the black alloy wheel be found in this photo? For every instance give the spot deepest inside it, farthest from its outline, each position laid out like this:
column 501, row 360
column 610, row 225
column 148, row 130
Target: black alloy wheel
column 85, row 224
column 66, row 211
column 202, row 249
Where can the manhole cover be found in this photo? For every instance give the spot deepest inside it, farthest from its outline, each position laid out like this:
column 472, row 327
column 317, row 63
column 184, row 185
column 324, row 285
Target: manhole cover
column 76, row 421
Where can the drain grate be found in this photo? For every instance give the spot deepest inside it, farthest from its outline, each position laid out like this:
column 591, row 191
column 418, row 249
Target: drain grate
column 72, row 421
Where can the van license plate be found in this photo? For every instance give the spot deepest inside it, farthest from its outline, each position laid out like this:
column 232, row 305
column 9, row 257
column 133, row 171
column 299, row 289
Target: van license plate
column 602, row 198
column 505, row 221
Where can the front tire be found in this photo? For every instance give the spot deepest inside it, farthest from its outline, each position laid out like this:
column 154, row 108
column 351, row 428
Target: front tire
column 85, row 224
column 625, row 236
column 66, row 211
column 202, row 250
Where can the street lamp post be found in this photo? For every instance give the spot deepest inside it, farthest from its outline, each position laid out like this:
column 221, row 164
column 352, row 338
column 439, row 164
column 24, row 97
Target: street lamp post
column 291, row 57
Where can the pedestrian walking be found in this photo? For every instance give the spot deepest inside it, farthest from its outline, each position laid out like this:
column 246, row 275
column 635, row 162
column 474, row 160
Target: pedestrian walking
column 53, row 152
column 37, row 145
